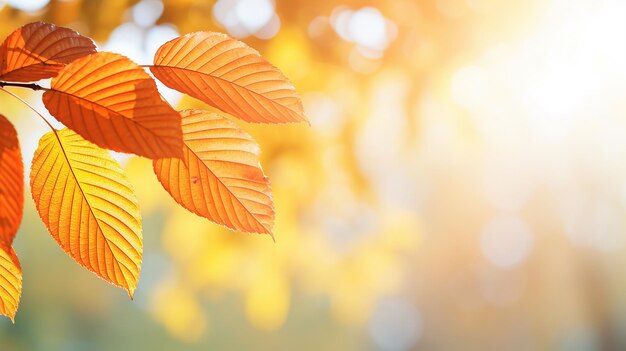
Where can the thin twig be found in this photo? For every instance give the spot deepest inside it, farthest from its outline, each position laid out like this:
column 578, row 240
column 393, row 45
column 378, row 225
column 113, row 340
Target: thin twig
column 31, row 107
column 32, row 86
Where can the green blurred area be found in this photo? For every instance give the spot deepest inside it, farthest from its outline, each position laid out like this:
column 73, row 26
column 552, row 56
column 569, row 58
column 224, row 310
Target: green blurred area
column 64, row 307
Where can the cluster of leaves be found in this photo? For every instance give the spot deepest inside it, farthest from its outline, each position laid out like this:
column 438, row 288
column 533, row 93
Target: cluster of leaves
column 206, row 162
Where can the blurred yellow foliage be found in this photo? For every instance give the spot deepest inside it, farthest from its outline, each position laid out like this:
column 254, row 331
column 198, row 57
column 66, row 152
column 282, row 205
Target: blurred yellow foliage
column 175, row 306
column 267, row 298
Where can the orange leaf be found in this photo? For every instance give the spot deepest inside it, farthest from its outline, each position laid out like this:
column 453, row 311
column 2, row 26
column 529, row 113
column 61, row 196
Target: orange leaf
column 10, row 281
column 11, row 208
column 229, row 75
column 11, row 182
column 40, row 50
column 220, row 177
column 114, row 103
column 88, row 206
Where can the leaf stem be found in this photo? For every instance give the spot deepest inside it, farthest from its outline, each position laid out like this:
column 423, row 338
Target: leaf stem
column 32, row 86
column 29, row 106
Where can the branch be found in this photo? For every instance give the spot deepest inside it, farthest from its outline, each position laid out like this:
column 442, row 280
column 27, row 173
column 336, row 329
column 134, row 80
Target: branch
column 32, row 86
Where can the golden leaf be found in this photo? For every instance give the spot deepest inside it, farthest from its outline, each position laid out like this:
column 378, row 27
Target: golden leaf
column 88, row 206
column 10, row 281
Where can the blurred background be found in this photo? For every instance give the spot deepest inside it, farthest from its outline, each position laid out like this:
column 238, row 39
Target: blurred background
column 462, row 185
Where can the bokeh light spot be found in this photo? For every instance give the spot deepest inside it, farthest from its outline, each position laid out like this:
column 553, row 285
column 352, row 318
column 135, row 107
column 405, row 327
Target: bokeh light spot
column 254, row 14
column 27, row 5
column 396, row 325
column 506, row 241
column 247, row 17
column 147, row 12
column 367, row 28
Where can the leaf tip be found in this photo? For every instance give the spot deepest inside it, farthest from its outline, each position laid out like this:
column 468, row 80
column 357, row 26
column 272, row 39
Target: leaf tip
column 10, row 315
column 131, row 293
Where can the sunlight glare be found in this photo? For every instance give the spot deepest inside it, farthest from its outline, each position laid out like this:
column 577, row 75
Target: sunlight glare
column 243, row 18
column 27, row 5
column 147, row 12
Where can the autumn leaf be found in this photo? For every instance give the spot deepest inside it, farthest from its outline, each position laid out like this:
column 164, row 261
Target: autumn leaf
column 11, row 208
column 10, row 281
column 40, row 50
column 88, row 206
column 220, row 177
column 114, row 103
column 229, row 75
column 11, row 182
column 207, row 163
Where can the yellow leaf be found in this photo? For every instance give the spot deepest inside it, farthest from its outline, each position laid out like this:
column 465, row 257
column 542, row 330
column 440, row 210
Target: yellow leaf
column 39, row 50
column 10, row 281
column 220, row 177
column 229, row 75
column 112, row 102
column 88, row 206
